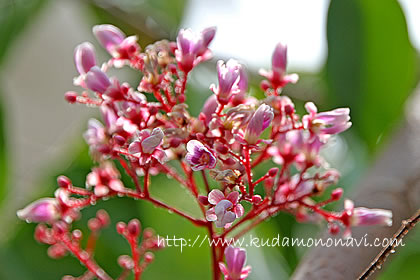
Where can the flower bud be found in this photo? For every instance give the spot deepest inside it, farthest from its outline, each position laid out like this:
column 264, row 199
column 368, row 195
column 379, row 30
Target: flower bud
column 45, row 210
column 63, row 182
column 70, row 97
column 133, row 228
column 273, row 171
column 336, row 194
column 96, row 80
column 84, row 57
column 108, row 36
column 258, row 123
column 121, row 227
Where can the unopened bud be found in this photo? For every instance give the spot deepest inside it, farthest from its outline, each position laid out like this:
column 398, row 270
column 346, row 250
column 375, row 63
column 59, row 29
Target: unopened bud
column 121, row 226
column 203, row 200
column 336, row 194
column 63, row 182
column 273, row 172
column 70, row 97
column 133, row 227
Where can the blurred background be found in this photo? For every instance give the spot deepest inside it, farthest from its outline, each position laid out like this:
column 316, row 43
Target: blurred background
column 361, row 54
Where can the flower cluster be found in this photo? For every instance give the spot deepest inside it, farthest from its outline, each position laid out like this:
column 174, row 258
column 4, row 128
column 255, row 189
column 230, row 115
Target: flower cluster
column 233, row 134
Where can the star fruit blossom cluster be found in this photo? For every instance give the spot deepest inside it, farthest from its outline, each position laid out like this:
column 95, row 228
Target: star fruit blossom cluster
column 233, row 134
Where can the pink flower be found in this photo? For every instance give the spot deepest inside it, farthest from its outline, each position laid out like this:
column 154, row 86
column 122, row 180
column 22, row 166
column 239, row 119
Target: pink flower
column 147, row 146
column 45, row 210
column 96, row 80
column 199, row 157
column 84, row 57
column 95, row 134
column 226, row 209
column 115, row 41
column 104, row 178
column 277, row 75
column 362, row 216
column 326, row 123
column 209, row 108
column 235, row 260
column 229, row 77
column 258, row 123
column 192, row 48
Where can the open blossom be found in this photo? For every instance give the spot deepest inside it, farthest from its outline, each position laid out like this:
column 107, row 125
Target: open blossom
column 192, row 48
column 326, row 123
column 115, row 41
column 258, row 123
column 235, row 262
column 229, row 76
column 199, row 157
column 226, row 209
column 45, row 210
column 277, row 75
column 104, row 179
column 361, row 216
column 147, row 146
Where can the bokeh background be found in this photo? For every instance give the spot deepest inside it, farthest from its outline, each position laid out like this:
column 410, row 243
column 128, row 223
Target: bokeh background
column 361, row 54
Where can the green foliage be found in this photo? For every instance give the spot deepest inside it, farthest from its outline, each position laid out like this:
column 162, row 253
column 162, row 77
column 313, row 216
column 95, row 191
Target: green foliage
column 371, row 64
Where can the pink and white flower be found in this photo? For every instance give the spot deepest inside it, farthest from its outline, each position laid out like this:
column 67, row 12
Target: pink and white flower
column 116, row 42
column 361, row 216
column 235, row 261
column 229, row 76
column 148, row 146
column 258, row 123
column 192, row 48
column 326, row 123
column 199, row 156
column 44, row 210
column 277, row 75
column 226, row 208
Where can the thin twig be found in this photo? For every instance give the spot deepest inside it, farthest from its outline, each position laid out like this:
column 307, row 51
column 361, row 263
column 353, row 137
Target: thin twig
column 380, row 259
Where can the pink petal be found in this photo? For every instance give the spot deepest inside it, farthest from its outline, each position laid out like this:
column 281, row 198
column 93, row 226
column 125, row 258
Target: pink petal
column 215, row 196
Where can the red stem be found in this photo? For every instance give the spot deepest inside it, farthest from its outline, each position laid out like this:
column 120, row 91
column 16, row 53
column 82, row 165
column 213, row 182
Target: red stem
column 89, row 263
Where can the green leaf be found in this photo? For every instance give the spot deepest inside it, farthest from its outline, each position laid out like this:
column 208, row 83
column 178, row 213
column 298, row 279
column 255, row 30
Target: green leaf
column 371, row 64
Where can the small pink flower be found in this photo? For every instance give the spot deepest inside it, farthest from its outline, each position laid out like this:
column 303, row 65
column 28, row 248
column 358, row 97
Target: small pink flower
column 235, row 261
column 148, row 146
column 199, row 157
column 84, row 57
column 96, row 80
column 115, row 41
column 258, row 123
column 229, row 77
column 362, row 216
column 277, row 75
column 95, row 134
column 104, row 178
column 192, row 48
column 326, row 123
column 209, row 108
column 226, row 209
column 45, row 210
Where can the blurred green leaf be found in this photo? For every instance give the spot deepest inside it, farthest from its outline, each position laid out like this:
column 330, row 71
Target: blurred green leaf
column 371, row 64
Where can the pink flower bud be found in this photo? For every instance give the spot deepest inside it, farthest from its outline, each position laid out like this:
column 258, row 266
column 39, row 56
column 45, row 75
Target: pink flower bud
column 336, row 194
column 133, row 227
column 96, row 80
column 149, row 257
column 364, row 216
column 63, row 182
column 273, row 171
column 121, row 227
column 235, row 261
column 84, row 57
column 258, row 123
column 229, row 80
column 45, row 210
column 70, row 97
column 192, row 48
column 126, row 262
column 108, row 36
